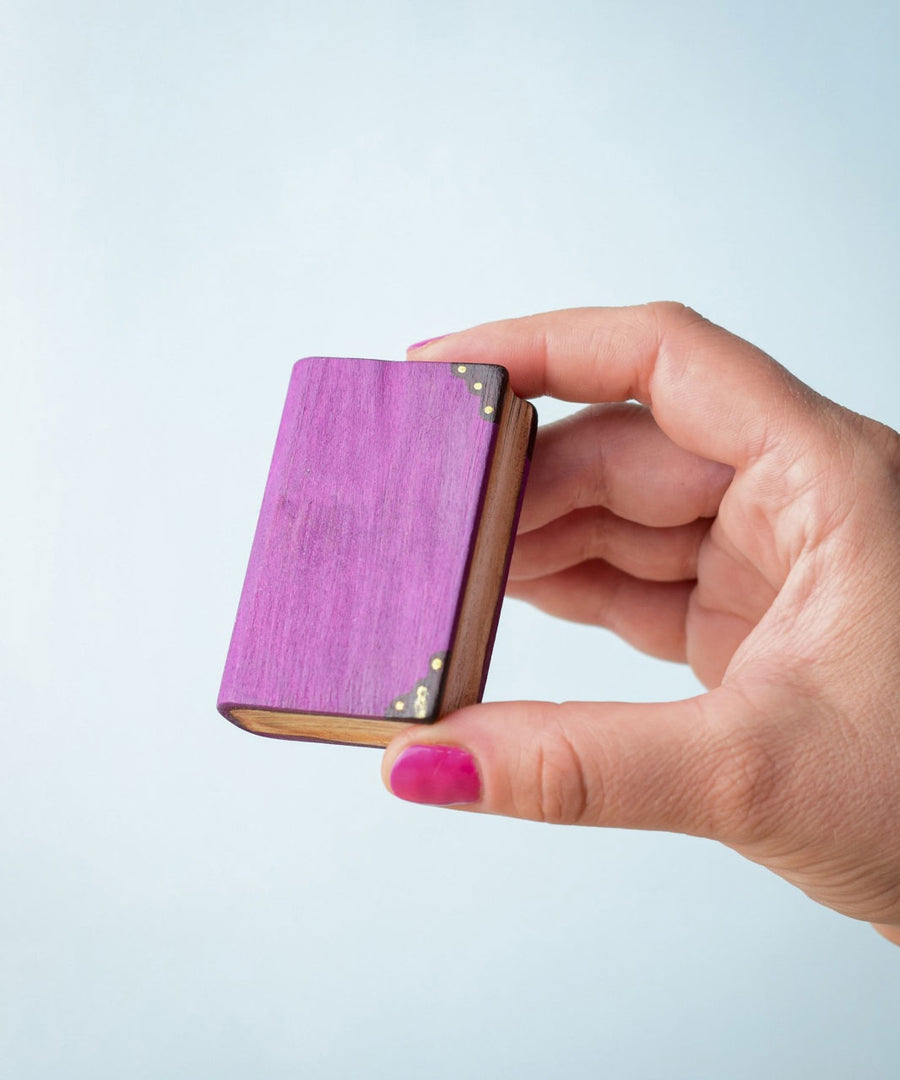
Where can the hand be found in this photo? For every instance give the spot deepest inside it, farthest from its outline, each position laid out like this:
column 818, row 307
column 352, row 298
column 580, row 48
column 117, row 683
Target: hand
column 737, row 521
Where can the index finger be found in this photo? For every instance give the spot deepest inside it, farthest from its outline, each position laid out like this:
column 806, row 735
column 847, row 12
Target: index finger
column 711, row 392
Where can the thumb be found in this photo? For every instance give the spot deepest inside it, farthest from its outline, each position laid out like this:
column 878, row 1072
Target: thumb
column 683, row 766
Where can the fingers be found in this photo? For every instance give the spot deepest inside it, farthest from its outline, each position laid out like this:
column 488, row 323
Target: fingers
column 711, row 392
column 678, row 766
column 654, row 554
column 712, row 638
column 892, row 933
column 641, row 586
column 649, row 615
column 616, row 456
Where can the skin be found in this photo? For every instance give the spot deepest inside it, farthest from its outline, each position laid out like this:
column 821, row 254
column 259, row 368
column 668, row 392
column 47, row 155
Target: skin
column 711, row 509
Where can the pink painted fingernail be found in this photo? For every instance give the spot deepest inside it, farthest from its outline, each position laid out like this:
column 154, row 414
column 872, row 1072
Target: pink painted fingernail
column 437, row 775
column 427, row 341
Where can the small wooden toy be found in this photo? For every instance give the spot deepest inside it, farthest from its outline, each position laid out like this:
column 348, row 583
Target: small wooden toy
column 377, row 570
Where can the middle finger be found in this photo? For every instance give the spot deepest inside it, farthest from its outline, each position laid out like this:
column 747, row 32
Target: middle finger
column 616, row 456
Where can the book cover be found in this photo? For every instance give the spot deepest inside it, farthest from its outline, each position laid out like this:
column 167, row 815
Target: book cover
column 381, row 551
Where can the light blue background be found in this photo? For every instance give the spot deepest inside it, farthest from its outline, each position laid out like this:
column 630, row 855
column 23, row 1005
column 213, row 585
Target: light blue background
column 192, row 195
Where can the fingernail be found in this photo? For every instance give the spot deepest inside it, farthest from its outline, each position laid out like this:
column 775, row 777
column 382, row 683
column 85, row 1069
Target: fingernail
column 437, row 775
column 427, row 341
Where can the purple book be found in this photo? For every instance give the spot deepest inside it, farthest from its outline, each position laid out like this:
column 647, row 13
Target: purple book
column 377, row 569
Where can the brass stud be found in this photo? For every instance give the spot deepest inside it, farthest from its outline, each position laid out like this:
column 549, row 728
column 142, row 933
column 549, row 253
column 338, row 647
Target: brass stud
column 399, row 706
column 478, row 385
column 489, row 409
column 437, row 664
column 461, row 369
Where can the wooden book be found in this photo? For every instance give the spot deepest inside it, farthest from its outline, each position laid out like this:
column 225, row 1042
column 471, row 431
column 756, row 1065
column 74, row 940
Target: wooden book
column 377, row 570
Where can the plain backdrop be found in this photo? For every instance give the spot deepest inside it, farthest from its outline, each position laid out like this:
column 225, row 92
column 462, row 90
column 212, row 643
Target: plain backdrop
column 194, row 194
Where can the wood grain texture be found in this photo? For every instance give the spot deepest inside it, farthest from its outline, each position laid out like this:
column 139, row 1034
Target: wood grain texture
column 365, row 539
column 480, row 604
column 318, row 728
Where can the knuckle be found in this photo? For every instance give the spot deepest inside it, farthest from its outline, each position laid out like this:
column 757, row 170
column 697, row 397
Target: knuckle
column 836, row 473
column 671, row 311
column 884, row 441
column 559, row 787
column 690, row 553
column 851, row 472
column 595, row 537
column 744, row 793
column 672, row 318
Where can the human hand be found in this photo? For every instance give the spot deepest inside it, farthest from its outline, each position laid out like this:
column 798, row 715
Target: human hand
column 734, row 520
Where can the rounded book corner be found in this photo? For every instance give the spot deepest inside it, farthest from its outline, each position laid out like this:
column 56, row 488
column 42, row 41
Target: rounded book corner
column 227, row 709
column 303, row 361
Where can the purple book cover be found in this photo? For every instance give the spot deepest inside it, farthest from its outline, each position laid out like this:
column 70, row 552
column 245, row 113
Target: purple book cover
column 366, row 528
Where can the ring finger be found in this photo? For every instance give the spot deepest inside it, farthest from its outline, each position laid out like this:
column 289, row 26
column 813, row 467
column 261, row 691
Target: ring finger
column 665, row 554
